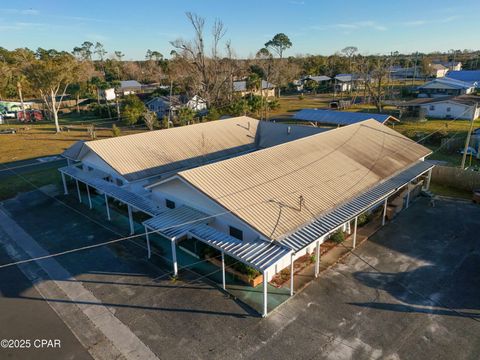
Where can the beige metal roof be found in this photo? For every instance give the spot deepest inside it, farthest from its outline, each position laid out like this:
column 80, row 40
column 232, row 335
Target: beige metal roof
column 263, row 188
column 147, row 154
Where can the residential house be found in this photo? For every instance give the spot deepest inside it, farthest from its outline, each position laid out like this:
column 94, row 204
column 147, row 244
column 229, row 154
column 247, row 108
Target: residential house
column 162, row 105
column 469, row 76
column 445, row 87
column 340, row 118
column 464, row 107
column 128, row 87
column 320, row 80
column 450, row 65
column 264, row 198
column 267, row 89
column 346, row 82
column 438, row 70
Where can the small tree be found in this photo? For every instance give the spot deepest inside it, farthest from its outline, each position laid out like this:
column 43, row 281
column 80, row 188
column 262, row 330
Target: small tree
column 150, row 119
column 116, row 131
column 133, row 109
column 185, row 115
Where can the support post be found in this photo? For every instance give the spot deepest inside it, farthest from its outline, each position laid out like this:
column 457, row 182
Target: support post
column 384, row 217
column 355, row 232
column 65, row 189
column 426, row 186
column 408, row 196
column 265, row 294
column 291, row 275
column 89, row 197
column 130, row 220
column 223, row 271
column 174, row 258
column 149, row 251
column 108, row 209
column 78, row 191
column 317, row 259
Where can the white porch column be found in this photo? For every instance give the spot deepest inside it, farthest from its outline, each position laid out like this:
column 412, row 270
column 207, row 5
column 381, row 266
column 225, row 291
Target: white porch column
column 223, row 271
column 149, row 251
column 78, row 191
column 89, row 197
column 108, row 209
column 355, row 232
column 65, row 189
column 130, row 220
column 291, row 275
column 349, row 228
column 317, row 259
column 427, row 183
column 384, row 211
column 174, row 258
column 265, row 294
column 408, row 196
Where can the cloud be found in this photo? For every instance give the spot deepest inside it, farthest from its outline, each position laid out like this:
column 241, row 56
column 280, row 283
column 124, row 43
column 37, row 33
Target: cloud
column 356, row 25
column 20, row 11
column 422, row 22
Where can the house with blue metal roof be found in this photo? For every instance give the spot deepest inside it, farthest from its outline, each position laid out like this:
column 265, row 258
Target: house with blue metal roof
column 446, row 87
column 469, row 76
column 340, row 118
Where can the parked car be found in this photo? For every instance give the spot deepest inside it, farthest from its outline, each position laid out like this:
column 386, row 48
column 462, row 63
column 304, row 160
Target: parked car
column 30, row 116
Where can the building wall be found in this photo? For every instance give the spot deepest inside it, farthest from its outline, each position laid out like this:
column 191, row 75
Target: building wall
column 183, row 194
column 440, row 110
column 93, row 160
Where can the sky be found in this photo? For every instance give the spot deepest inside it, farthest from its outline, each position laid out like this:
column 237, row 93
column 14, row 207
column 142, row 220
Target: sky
column 314, row 26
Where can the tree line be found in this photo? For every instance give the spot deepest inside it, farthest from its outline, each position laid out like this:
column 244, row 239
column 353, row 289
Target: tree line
column 194, row 68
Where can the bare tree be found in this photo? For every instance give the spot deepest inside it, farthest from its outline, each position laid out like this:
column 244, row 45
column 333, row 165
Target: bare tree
column 150, row 119
column 375, row 74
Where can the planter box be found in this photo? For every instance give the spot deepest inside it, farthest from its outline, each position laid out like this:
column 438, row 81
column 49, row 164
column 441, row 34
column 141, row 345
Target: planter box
column 252, row 282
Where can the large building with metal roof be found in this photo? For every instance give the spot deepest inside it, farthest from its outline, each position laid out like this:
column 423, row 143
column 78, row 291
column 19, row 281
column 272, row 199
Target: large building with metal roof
column 263, row 202
column 339, row 118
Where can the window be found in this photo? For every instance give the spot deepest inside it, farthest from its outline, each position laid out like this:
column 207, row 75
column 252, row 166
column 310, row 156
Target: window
column 119, row 182
column 170, row 204
column 448, row 109
column 236, row 233
column 432, row 107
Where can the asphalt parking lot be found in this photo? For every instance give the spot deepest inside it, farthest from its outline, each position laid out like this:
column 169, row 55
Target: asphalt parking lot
column 411, row 291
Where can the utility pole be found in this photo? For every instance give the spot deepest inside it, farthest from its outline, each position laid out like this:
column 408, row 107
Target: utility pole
column 467, row 141
column 170, row 104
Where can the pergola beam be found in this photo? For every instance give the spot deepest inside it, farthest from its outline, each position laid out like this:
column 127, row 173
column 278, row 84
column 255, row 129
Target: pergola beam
column 355, row 232
column 64, row 181
column 223, row 271
column 108, row 209
column 89, row 197
column 265, row 294
column 78, row 191
column 130, row 220
column 149, row 251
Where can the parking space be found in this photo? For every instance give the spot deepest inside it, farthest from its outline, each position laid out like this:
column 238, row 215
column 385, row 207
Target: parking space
column 411, row 291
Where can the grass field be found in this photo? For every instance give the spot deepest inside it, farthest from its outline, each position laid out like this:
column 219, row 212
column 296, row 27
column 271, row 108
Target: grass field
column 450, row 192
column 40, row 139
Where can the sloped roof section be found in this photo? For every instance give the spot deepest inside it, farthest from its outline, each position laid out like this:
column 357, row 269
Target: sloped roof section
column 279, row 189
column 469, row 76
column 147, row 154
column 334, row 117
column 73, row 151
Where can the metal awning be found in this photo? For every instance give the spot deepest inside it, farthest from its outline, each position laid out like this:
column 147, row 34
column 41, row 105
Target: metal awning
column 340, row 215
column 257, row 254
column 93, row 179
column 175, row 223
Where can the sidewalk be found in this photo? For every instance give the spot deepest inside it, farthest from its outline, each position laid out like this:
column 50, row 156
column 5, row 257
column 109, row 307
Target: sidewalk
column 334, row 255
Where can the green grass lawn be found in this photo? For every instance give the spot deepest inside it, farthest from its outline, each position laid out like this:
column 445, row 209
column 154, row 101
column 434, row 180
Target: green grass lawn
column 11, row 185
column 443, row 190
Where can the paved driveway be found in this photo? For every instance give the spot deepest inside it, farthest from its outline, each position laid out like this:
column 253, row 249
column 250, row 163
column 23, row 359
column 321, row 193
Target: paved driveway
column 412, row 291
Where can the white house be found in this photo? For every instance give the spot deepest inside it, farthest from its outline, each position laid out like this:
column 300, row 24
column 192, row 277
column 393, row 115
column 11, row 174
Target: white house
column 450, row 65
column 267, row 89
column 128, row 87
column 445, row 87
column 262, row 193
column 464, row 107
column 438, row 70
column 161, row 105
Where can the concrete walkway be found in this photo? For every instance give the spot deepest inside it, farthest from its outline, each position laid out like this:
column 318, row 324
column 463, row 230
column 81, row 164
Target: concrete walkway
column 125, row 343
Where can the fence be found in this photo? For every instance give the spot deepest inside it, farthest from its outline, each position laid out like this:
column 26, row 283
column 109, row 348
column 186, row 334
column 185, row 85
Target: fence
column 455, row 177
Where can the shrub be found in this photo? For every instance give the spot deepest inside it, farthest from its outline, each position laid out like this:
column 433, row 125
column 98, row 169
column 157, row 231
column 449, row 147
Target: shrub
column 133, row 109
column 363, row 219
column 116, row 130
column 337, row 237
column 301, row 97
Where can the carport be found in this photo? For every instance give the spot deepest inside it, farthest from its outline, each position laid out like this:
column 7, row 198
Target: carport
column 184, row 222
column 95, row 179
